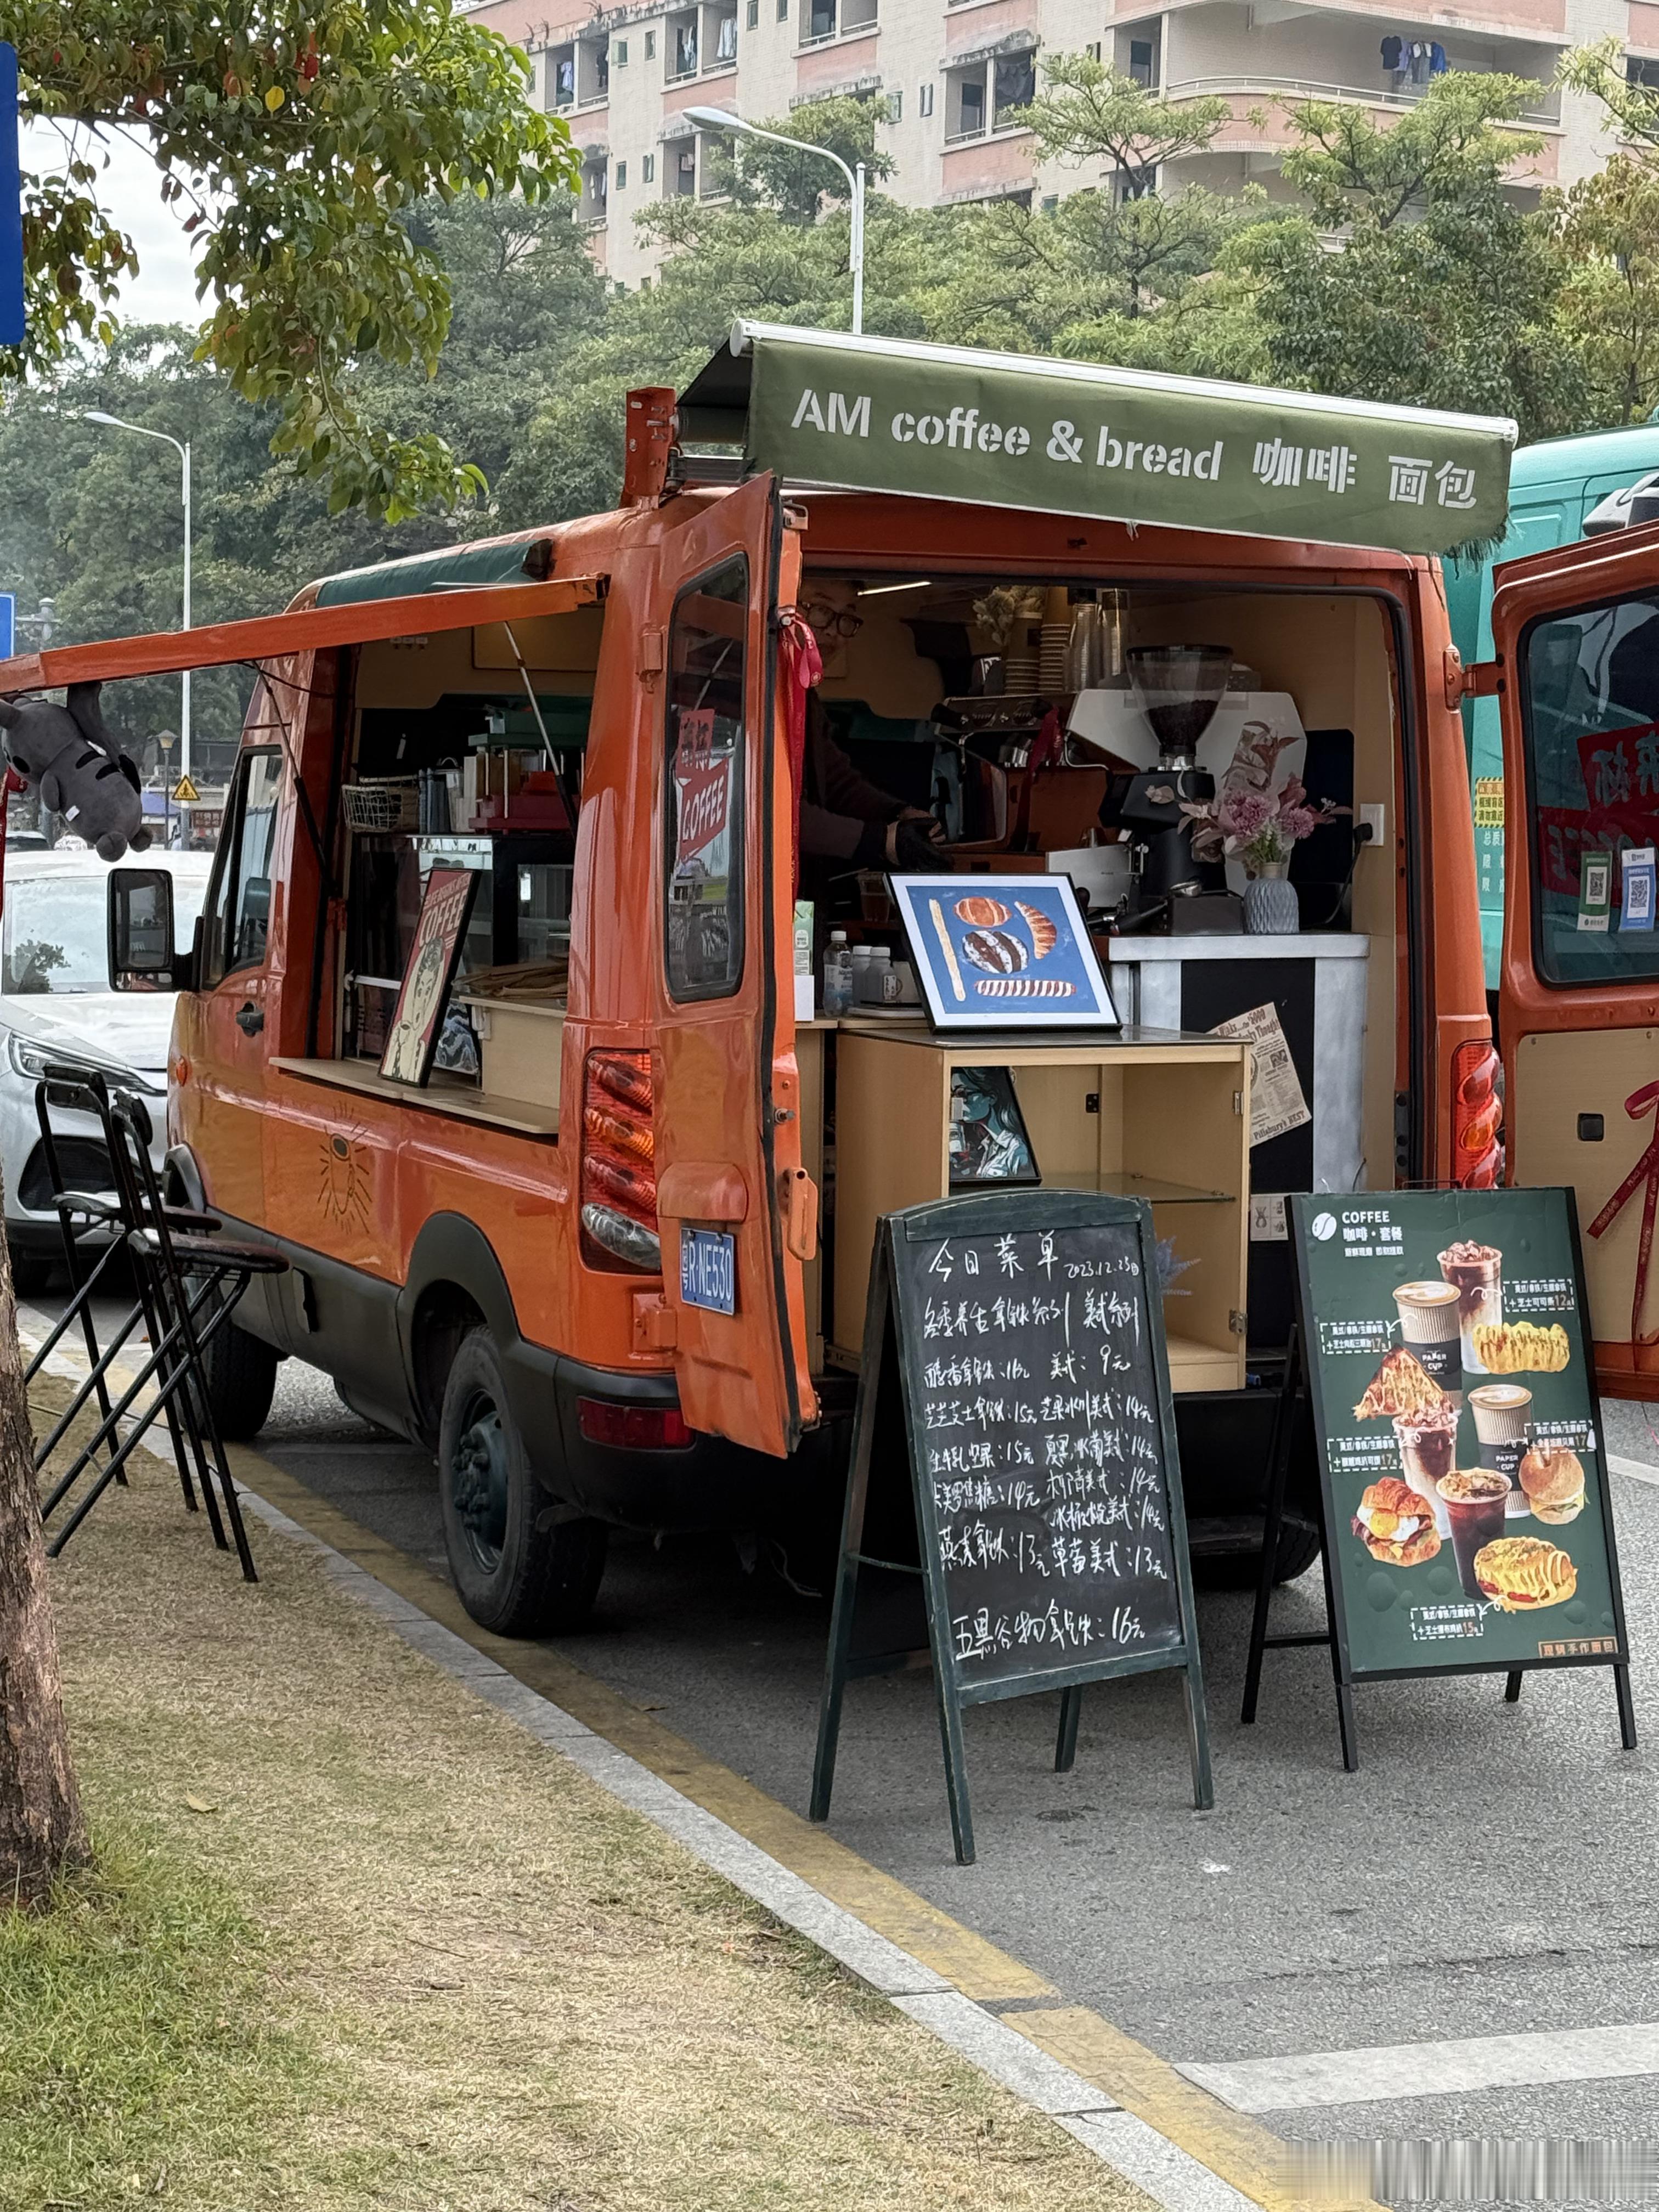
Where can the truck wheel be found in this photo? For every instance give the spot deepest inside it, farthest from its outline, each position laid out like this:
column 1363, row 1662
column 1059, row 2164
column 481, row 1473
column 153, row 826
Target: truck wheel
column 241, row 1382
column 518, row 1573
column 1298, row 1547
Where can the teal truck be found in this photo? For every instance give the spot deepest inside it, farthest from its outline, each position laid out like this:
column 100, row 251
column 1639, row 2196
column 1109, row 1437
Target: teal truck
column 1554, row 487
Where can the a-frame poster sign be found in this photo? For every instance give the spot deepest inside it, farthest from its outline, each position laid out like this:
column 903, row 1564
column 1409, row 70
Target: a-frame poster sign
column 1014, row 1469
column 1462, row 1468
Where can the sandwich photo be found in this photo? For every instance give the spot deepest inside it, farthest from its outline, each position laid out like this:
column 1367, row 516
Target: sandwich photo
column 1521, row 1573
column 1553, row 1479
column 1400, row 1385
column 1521, row 1347
column 1395, row 1525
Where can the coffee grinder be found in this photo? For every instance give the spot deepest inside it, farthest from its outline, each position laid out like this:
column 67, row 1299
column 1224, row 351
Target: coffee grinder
column 1178, row 689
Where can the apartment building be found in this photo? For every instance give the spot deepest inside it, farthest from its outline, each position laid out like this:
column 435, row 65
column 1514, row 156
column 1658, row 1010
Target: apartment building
column 955, row 73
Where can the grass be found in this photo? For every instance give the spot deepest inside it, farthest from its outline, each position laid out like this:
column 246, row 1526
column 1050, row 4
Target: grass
column 352, row 1939
column 135, row 2024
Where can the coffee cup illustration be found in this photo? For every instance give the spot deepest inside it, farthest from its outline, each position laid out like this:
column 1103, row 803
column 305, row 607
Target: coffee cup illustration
column 1475, row 1499
column 1430, row 1322
column 1503, row 1428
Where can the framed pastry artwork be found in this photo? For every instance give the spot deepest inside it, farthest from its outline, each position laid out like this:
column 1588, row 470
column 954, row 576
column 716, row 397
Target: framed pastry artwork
column 1005, row 952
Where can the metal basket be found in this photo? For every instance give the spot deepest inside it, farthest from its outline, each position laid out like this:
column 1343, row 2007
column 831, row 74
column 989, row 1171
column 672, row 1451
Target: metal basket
column 389, row 803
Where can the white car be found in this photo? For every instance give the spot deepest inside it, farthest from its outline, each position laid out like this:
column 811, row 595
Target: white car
column 56, row 1005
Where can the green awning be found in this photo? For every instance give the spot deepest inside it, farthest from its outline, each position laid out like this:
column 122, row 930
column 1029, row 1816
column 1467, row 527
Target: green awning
column 860, row 414
column 495, row 561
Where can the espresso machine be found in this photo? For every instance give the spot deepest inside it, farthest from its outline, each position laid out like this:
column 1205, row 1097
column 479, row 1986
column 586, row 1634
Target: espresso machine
column 1178, row 689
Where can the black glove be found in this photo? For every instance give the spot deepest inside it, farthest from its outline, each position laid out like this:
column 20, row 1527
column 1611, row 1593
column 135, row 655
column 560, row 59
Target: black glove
column 915, row 853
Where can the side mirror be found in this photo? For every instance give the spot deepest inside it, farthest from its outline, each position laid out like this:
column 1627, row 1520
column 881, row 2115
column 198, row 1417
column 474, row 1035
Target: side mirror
column 141, row 953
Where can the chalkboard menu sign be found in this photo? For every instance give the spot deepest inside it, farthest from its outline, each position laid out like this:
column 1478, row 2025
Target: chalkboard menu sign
column 1014, row 1504
column 1467, row 1522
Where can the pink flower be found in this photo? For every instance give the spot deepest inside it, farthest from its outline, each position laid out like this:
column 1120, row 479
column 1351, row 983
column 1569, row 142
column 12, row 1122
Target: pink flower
column 1243, row 815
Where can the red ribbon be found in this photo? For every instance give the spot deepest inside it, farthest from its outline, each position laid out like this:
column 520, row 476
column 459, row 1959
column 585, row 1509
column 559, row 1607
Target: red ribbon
column 1645, row 1101
column 803, row 666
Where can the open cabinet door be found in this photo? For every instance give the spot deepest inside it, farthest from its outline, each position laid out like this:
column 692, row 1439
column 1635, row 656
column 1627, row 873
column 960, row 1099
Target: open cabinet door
column 1576, row 633
column 738, row 1215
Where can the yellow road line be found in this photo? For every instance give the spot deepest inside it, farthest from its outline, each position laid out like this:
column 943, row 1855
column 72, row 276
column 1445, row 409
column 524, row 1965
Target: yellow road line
column 1231, row 2144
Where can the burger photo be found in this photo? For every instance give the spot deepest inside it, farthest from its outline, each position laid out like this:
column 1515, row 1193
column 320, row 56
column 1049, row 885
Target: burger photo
column 1554, row 1479
column 1395, row 1525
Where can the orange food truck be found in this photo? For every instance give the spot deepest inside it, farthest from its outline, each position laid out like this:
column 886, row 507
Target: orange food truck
column 609, row 1260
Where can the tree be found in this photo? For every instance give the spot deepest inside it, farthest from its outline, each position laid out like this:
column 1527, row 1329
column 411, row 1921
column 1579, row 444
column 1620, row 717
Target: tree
column 1443, row 293
column 1607, row 311
column 796, row 186
column 99, row 534
column 293, row 149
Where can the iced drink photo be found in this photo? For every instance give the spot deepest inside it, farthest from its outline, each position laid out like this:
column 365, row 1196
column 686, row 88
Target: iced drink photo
column 1431, row 1319
column 1476, row 1272
column 1475, row 1499
column 1503, row 1425
column 1428, row 1446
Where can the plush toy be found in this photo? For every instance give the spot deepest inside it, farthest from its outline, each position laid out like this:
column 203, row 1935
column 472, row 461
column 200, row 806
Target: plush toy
column 68, row 756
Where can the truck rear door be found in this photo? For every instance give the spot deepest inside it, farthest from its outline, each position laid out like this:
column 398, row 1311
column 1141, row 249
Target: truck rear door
column 1577, row 635
column 737, row 1212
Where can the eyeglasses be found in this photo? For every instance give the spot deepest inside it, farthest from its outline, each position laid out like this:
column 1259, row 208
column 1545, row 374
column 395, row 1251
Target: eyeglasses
column 833, row 622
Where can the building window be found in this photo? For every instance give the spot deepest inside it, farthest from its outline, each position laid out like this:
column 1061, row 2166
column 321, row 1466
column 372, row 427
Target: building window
column 1051, row 200
column 649, row 169
column 897, row 114
column 683, row 49
column 561, row 76
column 818, row 19
column 1014, row 86
column 651, row 45
column 592, row 69
column 964, row 107
column 1143, row 62
column 754, row 14
column 619, row 53
column 783, row 11
column 725, row 39
column 925, row 100
column 1093, row 49
column 1638, row 70
column 682, row 177
column 621, row 176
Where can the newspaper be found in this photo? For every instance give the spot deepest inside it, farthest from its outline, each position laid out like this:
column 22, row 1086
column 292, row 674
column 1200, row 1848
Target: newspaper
column 1277, row 1103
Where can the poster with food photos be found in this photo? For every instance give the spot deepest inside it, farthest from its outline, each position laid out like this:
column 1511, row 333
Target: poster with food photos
column 1003, row 952
column 1467, row 1509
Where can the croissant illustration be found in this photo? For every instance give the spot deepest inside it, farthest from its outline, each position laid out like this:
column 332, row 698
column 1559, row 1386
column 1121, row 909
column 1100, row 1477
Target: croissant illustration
column 1044, row 933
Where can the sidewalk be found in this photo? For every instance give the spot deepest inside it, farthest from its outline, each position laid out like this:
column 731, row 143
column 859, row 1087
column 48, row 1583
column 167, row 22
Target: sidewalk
column 422, row 1960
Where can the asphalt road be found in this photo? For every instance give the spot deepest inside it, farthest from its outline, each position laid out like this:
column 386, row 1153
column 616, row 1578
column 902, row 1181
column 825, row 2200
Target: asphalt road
column 1489, row 1872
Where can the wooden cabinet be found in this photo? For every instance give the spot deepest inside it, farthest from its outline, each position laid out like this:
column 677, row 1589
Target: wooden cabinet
column 1144, row 1114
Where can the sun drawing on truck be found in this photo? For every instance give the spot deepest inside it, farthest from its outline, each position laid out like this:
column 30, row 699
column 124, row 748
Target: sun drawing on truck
column 343, row 1192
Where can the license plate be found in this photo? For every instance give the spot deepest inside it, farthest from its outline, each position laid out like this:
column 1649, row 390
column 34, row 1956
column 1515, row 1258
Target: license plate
column 708, row 1270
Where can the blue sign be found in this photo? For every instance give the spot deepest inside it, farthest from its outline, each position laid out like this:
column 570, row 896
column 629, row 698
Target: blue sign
column 11, row 208
column 8, row 625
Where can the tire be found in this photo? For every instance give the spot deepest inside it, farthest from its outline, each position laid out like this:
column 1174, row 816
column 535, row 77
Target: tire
column 31, row 1271
column 1298, row 1547
column 241, row 1382
column 518, row 1573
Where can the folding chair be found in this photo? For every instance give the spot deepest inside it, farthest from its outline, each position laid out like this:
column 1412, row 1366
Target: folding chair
column 187, row 1279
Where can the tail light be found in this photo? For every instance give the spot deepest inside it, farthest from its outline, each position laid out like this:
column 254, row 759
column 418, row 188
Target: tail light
column 633, row 1428
column 619, row 1164
column 1477, row 1115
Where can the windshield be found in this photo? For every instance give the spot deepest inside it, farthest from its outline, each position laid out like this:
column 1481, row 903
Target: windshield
column 57, row 932
column 1591, row 716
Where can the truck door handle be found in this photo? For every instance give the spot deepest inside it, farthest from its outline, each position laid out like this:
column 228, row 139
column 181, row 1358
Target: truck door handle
column 250, row 1019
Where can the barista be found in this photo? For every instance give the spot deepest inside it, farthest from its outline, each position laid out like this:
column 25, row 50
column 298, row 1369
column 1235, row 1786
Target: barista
column 846, row 821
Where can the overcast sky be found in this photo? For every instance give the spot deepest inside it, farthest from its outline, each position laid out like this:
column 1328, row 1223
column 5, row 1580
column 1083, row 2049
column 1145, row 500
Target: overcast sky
column 164, row 291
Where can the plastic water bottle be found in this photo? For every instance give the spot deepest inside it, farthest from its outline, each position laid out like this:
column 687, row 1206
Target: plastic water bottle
column 838, row 975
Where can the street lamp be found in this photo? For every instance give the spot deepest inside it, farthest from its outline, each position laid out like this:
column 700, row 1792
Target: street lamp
column 718, row 118
column 142, row 430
